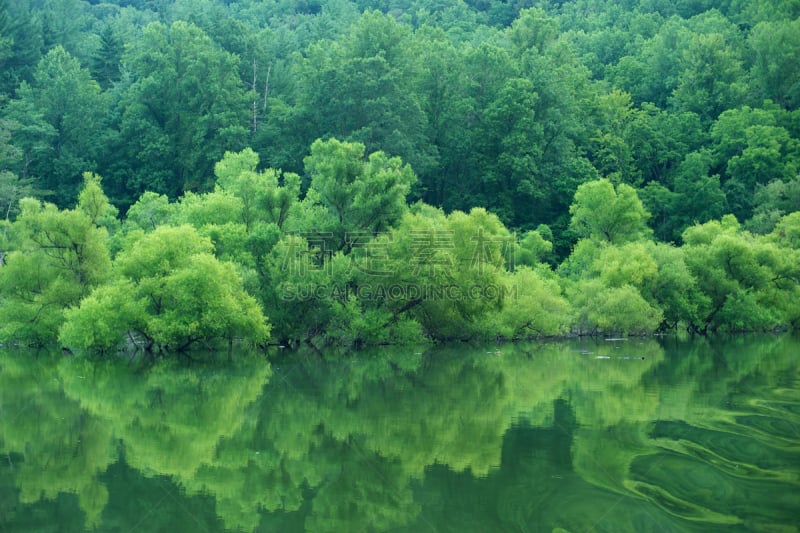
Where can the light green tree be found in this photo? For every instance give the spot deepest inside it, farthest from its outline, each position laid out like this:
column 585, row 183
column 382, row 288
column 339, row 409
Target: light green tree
column 608, row 293
column 534, row 307
column 623, row 309
column 606, row 213
column 267, row 196
column 150, row 211
column 171, row 291
column 349, row 193
column 737, row 274
column 56, row 258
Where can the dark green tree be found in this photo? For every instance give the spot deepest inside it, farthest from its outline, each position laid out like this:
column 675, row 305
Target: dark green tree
column 107, row 58
column 60, row 123
column 363, row 88
column 21, row 45
column 185, row 108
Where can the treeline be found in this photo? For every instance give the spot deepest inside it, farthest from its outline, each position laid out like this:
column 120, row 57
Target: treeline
column 351, row 263
column 503, row 105
column 526, row 126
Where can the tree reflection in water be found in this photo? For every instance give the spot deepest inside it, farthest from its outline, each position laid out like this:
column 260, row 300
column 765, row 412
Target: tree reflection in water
column 612, row 436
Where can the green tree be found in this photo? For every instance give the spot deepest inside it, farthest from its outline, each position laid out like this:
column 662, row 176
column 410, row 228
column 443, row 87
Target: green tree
column 771, row 202
column 21, row 45
column 267, row 196
column 60, row 124
column 784, row 259
column 675, row 290
column 777, row 53
column 700, row 196
column 56, row 258
column 512, row 182
column 763, row 160
column 614, row 288
column 454, row 270
column 362, row 88
column 613, row 155
column 533, row 29
column 354, row 194
column 64, row 24
column 713, row 78
column 533, row 308
column 169, row 289
column 624, row 310
column 736, row 274
column 295, row 288
column 660, row 202
column 652, row 73
column 534, row 247
column 107, row 59
column 186, row 106
column 150, row 211
column 605, row 213
column 443, row 90
column 12, row 188
column 753, row 147
column 479, row 72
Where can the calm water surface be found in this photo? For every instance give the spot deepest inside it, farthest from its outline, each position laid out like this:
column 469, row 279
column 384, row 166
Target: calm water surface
column 614, row 436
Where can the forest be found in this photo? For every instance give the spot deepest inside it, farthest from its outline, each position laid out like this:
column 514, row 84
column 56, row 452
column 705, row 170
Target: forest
column 175, row 173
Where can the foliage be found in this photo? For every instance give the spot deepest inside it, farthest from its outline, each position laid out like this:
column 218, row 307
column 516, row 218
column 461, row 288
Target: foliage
column 169, row 289
column 369, row 173
column 59, row 117
column 184, row 104
column 739, row 275
column 57, row 257
column 319, row 444
column 606, row 213
column 351, row 195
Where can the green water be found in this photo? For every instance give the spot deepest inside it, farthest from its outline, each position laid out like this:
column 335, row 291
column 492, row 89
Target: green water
column 614, row 436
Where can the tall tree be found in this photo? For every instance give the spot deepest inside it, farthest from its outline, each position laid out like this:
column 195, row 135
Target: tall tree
column 184, row 109
column 21, row 45
column 108, row 57
column 57, row 257
column 363, row 88
column 12, row 187
column 355, row 194
column 713, row 78
column 777, row 55
column 60, row 117
column 606, row 213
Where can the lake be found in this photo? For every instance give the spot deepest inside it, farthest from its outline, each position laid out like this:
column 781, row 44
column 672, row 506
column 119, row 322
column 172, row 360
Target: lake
column 570, row 436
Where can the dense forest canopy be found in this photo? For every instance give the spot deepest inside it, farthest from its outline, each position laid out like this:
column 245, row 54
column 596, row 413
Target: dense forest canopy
column 620, row 165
